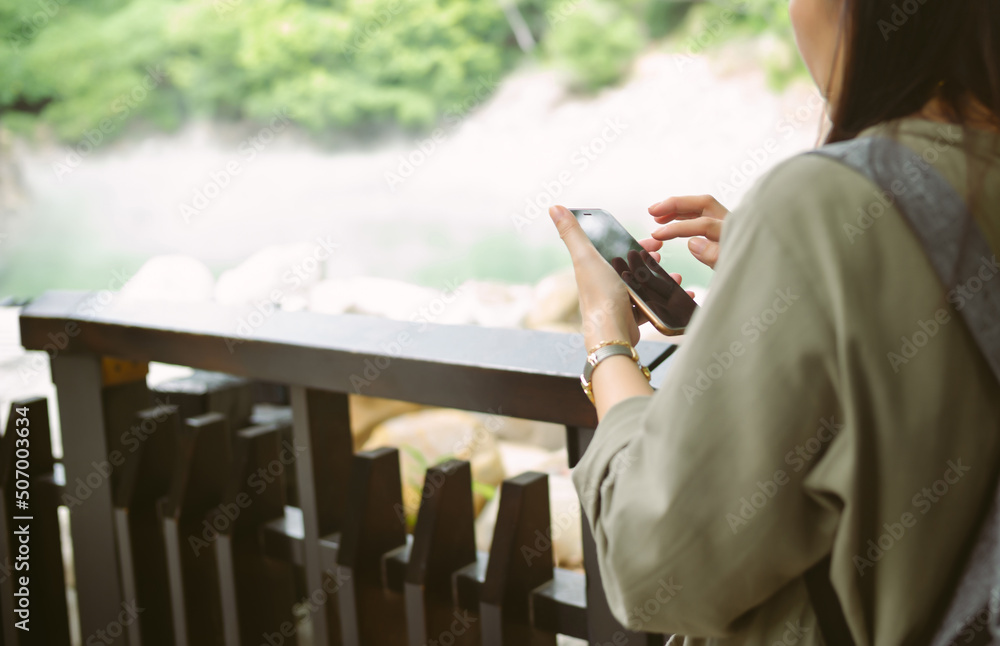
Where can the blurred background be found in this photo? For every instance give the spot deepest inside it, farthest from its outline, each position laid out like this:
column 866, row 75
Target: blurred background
column 424, row 139
column 389, row 157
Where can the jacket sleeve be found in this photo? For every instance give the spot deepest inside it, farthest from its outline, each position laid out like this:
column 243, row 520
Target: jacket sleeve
column 694, row 495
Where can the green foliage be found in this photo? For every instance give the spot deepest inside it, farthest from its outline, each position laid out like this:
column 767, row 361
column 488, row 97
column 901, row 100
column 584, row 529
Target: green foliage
column 764, row 22
column 86, row 65
column 330, row 65
column 596, row 42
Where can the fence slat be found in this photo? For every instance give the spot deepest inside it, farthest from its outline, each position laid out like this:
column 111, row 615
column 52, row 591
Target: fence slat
column 518, row 563
column 444, row 541
column 257, row 592
column 322, row 437
column 48, row 620
column 200, row 475
column 375, row 526
column 145, row 479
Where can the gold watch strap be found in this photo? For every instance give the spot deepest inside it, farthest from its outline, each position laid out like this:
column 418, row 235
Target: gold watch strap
column 602, row 351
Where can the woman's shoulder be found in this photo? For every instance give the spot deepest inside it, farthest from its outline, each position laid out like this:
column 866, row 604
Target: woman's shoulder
column 811, row 196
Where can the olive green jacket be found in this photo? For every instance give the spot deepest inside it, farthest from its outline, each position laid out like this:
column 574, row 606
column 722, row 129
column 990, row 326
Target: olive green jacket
column 827, row 397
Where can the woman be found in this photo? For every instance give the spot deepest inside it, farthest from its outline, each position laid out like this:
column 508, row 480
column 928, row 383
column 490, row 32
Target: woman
column 828, row 398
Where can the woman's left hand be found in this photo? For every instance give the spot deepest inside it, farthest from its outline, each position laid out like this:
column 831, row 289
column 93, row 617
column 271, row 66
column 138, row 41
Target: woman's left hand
column 604, row 301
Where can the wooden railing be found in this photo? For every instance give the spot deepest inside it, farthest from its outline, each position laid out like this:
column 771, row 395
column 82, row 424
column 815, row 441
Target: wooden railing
column 171, row 545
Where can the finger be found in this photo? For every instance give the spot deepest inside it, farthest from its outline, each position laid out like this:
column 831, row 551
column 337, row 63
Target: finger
column 704, row 250
column 675, row 207
column 650, row 244
column 707, row 227
column 677, row 278
column 579, row 245
column 657, row 279
column 691, row 294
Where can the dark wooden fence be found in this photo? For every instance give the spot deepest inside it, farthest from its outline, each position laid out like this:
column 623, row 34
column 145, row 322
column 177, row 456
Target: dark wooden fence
column 198, row 517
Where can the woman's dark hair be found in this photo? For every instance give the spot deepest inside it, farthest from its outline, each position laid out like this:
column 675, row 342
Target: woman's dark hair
column 903, row 53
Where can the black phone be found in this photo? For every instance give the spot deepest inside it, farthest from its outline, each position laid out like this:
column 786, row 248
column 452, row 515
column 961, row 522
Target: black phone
column 665, row 303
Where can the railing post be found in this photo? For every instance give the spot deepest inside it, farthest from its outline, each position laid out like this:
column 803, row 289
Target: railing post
column 602, row 627
column 77, row 378
column 321, row 429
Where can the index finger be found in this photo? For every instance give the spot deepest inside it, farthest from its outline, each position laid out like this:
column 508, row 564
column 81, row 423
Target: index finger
column 686, row 206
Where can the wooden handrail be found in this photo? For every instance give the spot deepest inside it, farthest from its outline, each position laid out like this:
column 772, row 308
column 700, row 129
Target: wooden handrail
column 518, row 373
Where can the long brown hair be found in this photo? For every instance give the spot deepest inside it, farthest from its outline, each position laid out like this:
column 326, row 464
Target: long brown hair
column 901, row 54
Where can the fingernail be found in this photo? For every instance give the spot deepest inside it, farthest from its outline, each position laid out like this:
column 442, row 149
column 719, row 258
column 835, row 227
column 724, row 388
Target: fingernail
column 556, row 213
column 697, row 245
column 654, row 206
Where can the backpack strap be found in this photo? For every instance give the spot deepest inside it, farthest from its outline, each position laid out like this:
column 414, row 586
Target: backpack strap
column 961, row 257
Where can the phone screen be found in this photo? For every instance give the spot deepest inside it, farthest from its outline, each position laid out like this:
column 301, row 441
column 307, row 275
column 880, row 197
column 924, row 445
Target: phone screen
column 667, row 305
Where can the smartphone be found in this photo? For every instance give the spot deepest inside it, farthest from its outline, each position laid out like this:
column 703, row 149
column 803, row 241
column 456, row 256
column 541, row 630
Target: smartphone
column 658, row 296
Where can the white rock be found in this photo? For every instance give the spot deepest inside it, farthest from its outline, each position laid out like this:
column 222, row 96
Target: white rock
column 392, row 299
column 495, row 304
column 282, row 270
column 555, row 302
column 176, row 279
column 541, row 435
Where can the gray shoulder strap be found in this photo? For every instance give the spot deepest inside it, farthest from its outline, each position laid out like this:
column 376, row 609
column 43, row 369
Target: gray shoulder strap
column 963, row 261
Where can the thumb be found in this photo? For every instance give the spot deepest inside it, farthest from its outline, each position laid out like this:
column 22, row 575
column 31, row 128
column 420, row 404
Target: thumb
column 570, row 231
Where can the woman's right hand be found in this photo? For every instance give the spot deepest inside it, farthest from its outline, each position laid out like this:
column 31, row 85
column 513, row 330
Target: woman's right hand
column 699, row 217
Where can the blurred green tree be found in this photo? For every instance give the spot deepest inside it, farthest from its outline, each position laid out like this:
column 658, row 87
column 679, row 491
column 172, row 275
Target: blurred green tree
column 89, row 67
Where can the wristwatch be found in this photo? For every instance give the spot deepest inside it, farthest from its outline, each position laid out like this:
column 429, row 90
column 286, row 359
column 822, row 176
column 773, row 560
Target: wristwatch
column 599, row 353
